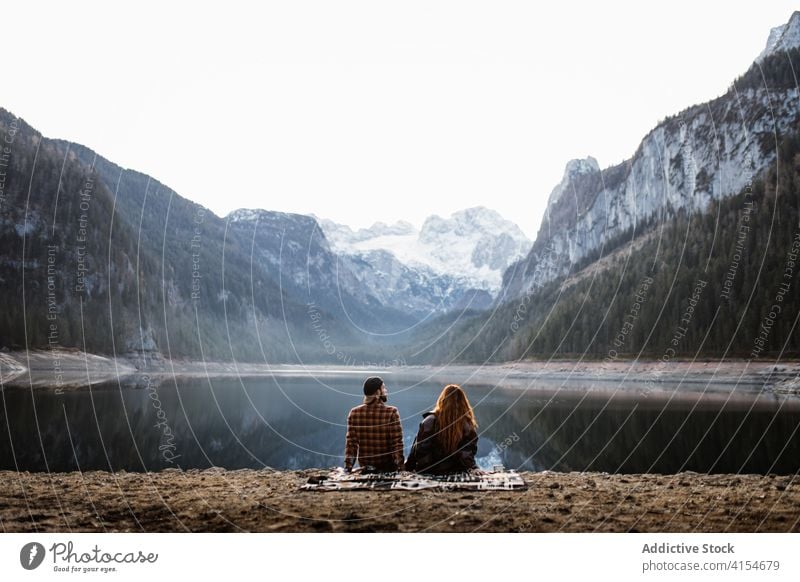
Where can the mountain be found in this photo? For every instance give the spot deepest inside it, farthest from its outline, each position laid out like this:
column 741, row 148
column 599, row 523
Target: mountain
column 703, row 154
column 106, row 259
column 782, row 38
column 419, row 290
column 294, row 247
column 372, row 290
column 472, row 248
column 112, row 261
column 688, row 248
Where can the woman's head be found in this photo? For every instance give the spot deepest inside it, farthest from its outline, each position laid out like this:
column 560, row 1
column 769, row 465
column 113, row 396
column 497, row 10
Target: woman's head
column 454, row 414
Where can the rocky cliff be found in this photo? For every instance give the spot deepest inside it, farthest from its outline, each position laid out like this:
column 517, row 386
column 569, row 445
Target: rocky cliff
column 705, row 153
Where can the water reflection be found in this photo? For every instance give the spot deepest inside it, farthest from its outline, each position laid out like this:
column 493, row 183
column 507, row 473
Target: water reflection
column 298, row 422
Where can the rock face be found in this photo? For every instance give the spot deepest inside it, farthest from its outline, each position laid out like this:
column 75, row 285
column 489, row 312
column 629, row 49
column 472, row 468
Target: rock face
column 782, row 38
column 707, row 152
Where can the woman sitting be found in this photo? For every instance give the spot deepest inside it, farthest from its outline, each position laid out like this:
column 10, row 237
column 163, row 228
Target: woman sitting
column 447, row 440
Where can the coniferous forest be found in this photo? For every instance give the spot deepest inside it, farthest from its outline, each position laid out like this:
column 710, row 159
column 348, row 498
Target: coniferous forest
column 744, row 248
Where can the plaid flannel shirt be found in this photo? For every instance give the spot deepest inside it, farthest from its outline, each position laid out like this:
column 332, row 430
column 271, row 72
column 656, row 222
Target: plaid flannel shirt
column 374, row 437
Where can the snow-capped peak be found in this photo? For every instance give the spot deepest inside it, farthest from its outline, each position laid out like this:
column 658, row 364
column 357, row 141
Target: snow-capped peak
column 400, row 227
column 476, row 244
column 783, row 37
column 468, row 222
column 343, row 236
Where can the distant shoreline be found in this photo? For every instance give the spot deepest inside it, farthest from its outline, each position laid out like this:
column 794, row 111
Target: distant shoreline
column 70, row 369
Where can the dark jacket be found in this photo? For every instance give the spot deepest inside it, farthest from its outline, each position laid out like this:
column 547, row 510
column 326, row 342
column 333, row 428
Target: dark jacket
column 427, row 455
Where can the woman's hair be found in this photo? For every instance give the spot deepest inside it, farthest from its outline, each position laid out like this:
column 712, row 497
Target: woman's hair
column 452, row 409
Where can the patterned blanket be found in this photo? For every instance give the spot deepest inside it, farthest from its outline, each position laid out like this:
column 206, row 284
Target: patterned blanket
column 338, row 480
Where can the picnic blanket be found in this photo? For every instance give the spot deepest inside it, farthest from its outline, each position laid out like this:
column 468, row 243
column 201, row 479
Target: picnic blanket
column 338, row 480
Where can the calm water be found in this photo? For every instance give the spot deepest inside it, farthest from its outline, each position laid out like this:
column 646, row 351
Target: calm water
column 298, row 422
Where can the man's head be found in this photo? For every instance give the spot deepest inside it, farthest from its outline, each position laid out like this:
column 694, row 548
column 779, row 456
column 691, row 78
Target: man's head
column 375, row 387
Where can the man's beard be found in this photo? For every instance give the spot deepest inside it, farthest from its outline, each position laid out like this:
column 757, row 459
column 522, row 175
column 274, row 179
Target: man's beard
column 383, row 397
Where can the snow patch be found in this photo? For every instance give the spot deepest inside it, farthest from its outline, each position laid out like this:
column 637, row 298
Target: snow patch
column 475, row 245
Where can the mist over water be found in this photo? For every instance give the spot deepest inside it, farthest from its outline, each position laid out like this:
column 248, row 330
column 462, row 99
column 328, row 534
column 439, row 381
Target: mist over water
column 298, row 422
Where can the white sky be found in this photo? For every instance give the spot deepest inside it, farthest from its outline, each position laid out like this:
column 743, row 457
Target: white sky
column 366, row 111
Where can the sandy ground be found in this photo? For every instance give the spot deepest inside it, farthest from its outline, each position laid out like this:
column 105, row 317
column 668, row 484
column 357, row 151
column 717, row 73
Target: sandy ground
column 265, row 501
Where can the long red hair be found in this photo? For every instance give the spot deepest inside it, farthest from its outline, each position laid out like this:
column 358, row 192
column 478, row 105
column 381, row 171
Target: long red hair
column 452, row 410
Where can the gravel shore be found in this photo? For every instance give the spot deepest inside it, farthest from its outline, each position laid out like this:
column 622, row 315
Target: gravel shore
column 73, row 369
column 270, row 501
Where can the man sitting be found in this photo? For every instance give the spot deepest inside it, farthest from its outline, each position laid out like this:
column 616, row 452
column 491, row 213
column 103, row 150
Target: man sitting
column 374, row 434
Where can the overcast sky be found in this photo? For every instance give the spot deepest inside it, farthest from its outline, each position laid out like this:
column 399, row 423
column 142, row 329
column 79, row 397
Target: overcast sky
column 366, row 111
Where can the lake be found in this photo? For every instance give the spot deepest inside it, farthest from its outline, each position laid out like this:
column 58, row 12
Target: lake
column 298, row 421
